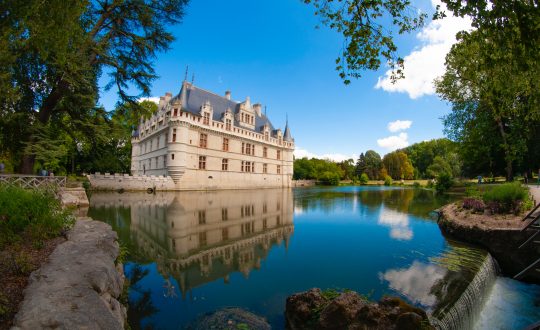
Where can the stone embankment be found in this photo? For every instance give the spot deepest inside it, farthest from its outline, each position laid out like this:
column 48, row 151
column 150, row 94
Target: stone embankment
column 127, row 182
column 500, row 234
column 315, row 310
column 304, row 183
column 79, row 286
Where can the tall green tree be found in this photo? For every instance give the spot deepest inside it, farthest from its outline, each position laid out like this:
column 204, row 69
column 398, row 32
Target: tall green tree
column 373, row 164
column 398, row 166
column 52, row 54
column 492, row 78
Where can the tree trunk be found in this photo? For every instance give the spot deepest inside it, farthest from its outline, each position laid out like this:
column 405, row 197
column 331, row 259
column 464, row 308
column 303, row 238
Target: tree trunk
column 507, row 157
column 27, row 164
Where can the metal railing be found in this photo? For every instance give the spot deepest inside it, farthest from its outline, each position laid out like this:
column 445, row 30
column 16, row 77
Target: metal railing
column 33, row 181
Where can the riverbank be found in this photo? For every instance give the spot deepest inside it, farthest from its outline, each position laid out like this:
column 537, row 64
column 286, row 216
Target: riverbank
column 80, row 284
column 500, row 234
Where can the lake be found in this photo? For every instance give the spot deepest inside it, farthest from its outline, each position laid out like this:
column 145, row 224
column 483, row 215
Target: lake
column 192, row 253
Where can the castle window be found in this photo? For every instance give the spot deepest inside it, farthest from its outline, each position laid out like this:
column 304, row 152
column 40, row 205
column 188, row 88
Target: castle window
column 243, row 147
column 224, row 214
column 202, row 243
column 265, row 152
column 225, row 144
column 253, row 149
column 228, row 124
column 265, row 225
column 224, row 164
column 242, row 168
column 175, row 113
column 202, row 162
column 279, row 169
column 279, row 154
column 206, row 118
column 172, row 156
column 202, row 217
column 174, row 135
column 203, row 140
column 266, row 136
column 265, row 168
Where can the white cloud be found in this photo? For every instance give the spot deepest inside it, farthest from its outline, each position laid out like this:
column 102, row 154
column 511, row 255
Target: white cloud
column 415, row 282
column 423, row 65
column 398, row 223
column 399, row 125
column 394, row 142
column 301, row 153
column 154, row 99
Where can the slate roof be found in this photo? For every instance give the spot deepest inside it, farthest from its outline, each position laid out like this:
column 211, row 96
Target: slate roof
column 196, row 97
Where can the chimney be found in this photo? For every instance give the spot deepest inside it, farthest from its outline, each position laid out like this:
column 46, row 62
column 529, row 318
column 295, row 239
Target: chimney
column 161, row 102
column 257, row 108
column 228, row 95
column 168, row 96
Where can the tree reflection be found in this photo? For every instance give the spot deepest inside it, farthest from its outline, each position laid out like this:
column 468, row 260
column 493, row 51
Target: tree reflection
column 142, row 306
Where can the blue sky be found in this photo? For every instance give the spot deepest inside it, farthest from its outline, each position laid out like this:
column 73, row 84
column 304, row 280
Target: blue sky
column 272, row 52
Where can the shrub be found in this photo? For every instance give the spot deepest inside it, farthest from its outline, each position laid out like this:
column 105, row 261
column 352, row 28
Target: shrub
column 444, row 182
column 506, row 198
column 473, row 192
column 36, row 213
column 329, row 178
column 364, row 178
column 417, row 184
column 388, row 180
column 475, row 204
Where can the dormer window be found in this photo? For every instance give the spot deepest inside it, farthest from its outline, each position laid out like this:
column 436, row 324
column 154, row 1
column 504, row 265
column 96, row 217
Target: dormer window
column 228, row 124
column 206, row 118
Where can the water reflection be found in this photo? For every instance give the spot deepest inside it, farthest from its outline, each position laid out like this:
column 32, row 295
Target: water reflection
column 398, row 223
column 199, row 237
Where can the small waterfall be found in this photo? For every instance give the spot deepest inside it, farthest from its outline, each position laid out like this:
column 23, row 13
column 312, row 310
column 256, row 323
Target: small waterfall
column 463, row 313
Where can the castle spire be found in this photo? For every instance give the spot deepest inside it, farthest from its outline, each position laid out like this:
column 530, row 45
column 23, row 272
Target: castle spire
column 287, row 135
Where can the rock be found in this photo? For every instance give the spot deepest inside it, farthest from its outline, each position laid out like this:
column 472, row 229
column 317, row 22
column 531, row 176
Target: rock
column 299, row 307
column 85, row 285
column 312, row 310
column 409, row 321
column 230, row 318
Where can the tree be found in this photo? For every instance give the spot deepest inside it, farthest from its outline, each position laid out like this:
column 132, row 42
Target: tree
column 348, row 169
column 398, row 165
column 361, row 165
column 492, row 78
column 438, row 167
column 53, row 53
column 373, row 164
column 366, row 40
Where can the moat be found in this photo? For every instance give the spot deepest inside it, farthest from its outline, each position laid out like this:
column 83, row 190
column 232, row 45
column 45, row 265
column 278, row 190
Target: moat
column 192, row 253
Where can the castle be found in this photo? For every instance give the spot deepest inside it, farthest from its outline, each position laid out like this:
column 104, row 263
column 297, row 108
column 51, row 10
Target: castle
column 206, row 141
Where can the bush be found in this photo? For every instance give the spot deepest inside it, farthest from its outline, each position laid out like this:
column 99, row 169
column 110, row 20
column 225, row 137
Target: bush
column 506, row 198
column 417, row 184
column 475, row 204
column 388, row 180
column 444, row 182
column 36, row 213
column 364, row 178
column 329, row 178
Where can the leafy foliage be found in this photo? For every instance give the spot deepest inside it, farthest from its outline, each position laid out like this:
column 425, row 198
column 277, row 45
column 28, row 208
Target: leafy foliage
column 388, row 180
column 366, row 40
column 444, row 182
column 30, row 212
column 53, row 54
column 506, row 198
column 398, row 165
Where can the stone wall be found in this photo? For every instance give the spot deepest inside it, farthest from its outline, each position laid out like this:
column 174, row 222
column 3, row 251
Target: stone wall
column 304, row 183
column 127, row 182
column 79, row 286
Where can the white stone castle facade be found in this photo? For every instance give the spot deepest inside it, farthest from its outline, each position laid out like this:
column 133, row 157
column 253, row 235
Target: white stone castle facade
column 206, row 141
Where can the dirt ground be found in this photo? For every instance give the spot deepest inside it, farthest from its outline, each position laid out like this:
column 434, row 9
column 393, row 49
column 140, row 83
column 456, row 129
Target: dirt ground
column 469, row 219
column 17, row 262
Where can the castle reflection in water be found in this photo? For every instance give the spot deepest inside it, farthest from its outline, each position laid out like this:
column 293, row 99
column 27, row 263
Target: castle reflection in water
column 199, row 237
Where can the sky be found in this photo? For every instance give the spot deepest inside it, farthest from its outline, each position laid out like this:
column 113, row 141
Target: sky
column 280, row 55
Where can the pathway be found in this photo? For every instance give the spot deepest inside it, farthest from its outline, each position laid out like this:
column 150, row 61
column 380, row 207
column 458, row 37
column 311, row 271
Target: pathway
column 535, row 192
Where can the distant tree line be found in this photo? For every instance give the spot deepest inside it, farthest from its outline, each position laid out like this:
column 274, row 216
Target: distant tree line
column 424, row 160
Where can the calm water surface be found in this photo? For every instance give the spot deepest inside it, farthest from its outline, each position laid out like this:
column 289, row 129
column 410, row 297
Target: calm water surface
column 196, row 252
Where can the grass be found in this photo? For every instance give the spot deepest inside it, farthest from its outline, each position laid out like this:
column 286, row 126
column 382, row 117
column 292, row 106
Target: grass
column 33, row 214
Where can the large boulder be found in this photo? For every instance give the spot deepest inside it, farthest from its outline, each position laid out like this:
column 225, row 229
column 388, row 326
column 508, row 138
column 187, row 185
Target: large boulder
column 315, row 309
